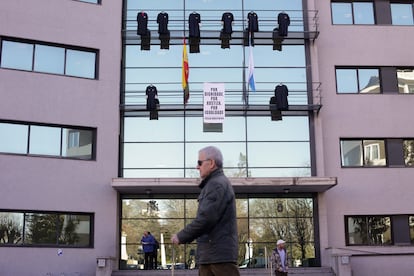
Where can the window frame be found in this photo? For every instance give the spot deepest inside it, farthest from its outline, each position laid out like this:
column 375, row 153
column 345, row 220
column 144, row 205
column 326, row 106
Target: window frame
column 93, row 132
column 394, row 2
column 363, row 152
column 25, row 214
column 358, row 80
column 394, row 150
column 351, row 3
column 35, row 43
column 402, row 70
column 366, row 217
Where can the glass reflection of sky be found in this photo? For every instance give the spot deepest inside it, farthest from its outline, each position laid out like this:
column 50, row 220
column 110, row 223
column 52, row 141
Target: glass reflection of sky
column 169, row 147
column 160, row 145
column 163, row 69
column 211, row 11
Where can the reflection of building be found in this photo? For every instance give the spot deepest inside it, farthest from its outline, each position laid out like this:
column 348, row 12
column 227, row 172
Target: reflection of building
column 79, row 143
column 373, row 86
column 405, row 80
column 333, row 178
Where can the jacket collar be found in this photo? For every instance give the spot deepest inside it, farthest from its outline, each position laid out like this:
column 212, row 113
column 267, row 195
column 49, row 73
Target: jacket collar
column 205, row 180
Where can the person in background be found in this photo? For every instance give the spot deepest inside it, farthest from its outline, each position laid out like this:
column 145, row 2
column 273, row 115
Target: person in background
column 154, row 255
column 279, row 259
column 215, row 225
column 148, row 242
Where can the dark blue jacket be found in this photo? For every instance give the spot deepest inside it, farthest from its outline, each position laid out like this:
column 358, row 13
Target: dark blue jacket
column 148, row 243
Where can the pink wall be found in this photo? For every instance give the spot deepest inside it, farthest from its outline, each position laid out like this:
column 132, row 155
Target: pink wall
column 37, row 183
column 360, row 191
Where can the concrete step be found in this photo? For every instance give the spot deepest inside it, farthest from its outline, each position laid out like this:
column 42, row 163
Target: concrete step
column 302, row 271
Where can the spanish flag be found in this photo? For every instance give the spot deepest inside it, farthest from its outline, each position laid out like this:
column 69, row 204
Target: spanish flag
column 185, row 73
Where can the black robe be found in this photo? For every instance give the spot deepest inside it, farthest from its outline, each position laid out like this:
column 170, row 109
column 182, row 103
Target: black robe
column 284, row 21
column 194, row 21
column 281, row 94
column 152, row 101
column 142, row 19
column 162, row 20
column 227, row 19
column 225, row 35
column 253, row 22
column 164, row 33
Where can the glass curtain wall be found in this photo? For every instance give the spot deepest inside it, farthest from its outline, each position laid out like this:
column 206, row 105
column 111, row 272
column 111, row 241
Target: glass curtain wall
column 261, row 222
column 253, row 146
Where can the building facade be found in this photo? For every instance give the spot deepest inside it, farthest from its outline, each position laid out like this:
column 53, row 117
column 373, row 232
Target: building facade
column 98, row 143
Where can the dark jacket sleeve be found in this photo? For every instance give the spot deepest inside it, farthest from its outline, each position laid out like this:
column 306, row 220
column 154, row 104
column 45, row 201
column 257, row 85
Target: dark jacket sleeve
column 212, row 203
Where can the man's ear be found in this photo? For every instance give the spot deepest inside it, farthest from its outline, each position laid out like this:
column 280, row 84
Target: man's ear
column 213, row 164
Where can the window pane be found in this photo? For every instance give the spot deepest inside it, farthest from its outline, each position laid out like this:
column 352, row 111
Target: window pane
column 379, row 230
column 369, row 81
column 159, row 173
column 147, row 155
column 49, row 59
column 363, row 13
column 341, row 13
column 191, row 206
column 373, row 230
column 80, row 64
column 351, row 153
column 408, row 146
column 11, row 228
column 346, row 81
column 13, row 138
column 41, row 229
column 234, row 155
column 165, row 129
column 77, row 143
column 402, row 14
column 357, row 230
column 279, row 172
column 405, row 80
column 241, row 205
column 44, row 140
column 290, row 129
column 17, row 55
column 75, row 230
column 286, row 154
column 374, row 153
column 233, row 130
column 90, row 1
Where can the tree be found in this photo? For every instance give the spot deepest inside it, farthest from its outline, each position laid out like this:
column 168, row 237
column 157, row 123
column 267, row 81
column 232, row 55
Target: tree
column 10, row 230
column 302, row 227
column 69, row 234
column 43, row 228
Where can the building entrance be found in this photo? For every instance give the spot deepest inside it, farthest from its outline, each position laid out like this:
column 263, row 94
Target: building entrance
column 262, row 220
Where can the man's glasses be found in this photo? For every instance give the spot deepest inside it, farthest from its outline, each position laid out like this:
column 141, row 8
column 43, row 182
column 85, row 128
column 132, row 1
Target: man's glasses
column 200, row 162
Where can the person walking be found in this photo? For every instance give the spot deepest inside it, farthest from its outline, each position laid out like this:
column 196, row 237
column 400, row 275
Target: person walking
column 279, row 259
column 148, row 242
column 215, row 225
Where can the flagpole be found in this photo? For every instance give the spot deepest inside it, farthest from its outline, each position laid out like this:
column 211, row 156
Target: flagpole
column 245, row 91
column 184, row 105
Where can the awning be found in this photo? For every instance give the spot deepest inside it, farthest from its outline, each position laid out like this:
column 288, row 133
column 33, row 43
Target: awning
column 240, row 185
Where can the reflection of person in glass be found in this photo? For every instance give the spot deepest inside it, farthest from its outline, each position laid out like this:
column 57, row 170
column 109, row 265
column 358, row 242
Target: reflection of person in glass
column 279, row 259
column 215, row 225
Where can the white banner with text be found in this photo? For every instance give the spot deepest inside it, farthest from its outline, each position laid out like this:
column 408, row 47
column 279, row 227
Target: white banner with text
column 214, row 107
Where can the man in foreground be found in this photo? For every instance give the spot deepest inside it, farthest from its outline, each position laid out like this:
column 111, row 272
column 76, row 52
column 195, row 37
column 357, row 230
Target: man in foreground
column 215, row 226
